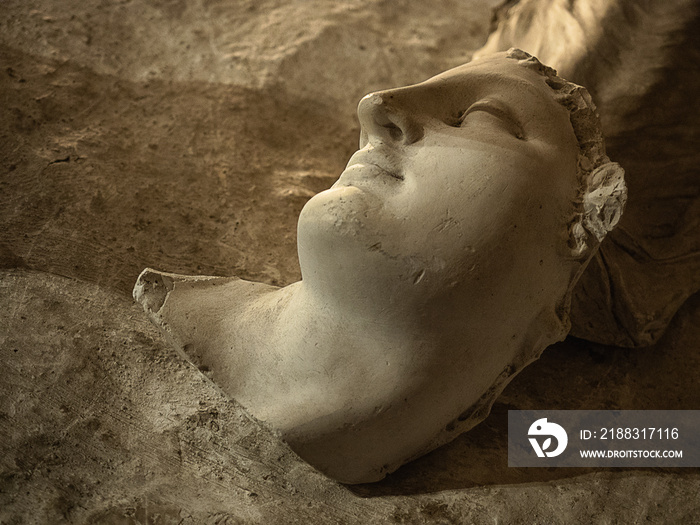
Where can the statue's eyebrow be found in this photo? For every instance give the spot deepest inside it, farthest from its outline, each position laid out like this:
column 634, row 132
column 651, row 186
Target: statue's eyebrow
column 502, row 111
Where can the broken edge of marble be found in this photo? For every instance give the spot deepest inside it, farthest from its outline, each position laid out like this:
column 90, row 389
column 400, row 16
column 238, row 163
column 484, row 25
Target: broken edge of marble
column 152, row 290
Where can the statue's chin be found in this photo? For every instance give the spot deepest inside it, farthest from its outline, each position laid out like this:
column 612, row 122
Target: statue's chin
column 342, row 212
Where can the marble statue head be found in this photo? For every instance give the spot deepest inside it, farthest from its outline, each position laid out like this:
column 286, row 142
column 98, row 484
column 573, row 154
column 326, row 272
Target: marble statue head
column 438, row 266
column 480, row 166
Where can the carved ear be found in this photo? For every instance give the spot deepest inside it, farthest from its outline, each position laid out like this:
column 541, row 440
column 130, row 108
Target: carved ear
column 603, row 203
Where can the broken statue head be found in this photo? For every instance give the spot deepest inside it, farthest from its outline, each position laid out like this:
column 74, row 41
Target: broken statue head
column 436, row 268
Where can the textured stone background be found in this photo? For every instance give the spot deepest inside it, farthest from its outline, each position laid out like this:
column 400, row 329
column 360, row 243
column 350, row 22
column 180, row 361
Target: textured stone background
column 187, row 136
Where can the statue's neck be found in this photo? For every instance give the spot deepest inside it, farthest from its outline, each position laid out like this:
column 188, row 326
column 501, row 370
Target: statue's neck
column 301, row 330
column 292, row 356
column 312, row 368
column 288, row 347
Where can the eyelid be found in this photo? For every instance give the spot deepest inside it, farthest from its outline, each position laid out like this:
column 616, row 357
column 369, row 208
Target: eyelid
column 500, row 111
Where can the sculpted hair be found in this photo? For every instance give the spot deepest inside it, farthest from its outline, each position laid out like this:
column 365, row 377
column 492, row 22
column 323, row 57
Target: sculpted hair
column 602, row 191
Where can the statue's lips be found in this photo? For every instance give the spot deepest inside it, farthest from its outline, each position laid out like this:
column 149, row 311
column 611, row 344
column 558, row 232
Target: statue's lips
column 362, row 165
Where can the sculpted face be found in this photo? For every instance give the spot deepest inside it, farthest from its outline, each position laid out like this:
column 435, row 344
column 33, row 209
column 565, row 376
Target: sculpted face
column 461, row 179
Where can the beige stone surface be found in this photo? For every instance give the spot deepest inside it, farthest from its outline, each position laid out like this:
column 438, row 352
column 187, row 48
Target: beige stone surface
column 107, row 169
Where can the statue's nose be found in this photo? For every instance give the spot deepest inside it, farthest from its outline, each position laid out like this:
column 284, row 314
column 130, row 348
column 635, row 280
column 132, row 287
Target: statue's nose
column 383, row 117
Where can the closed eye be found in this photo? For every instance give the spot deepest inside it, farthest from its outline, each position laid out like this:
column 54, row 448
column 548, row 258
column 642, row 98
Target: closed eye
column 495, row 109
